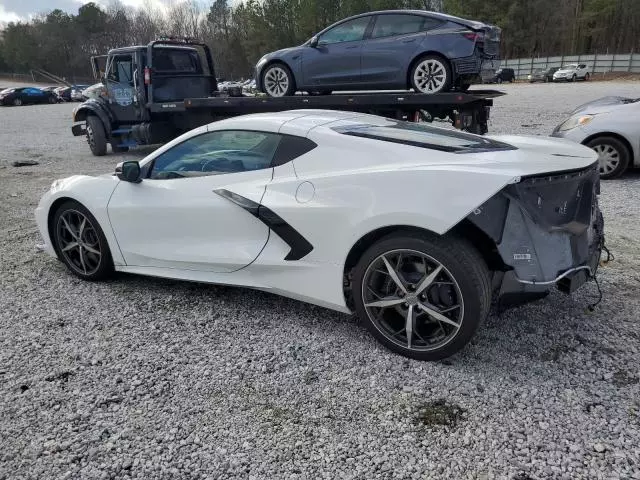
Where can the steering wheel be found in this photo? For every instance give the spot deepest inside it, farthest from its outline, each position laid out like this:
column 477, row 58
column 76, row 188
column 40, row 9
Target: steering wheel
column 222, row 164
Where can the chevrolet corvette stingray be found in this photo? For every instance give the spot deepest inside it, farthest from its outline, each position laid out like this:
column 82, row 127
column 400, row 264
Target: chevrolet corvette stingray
column 416, row 229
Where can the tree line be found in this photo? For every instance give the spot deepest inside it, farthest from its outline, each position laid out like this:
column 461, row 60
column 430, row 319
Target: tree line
column 239, row 35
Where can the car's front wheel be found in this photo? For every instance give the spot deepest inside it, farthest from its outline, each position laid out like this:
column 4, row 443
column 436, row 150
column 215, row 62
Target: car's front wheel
column 80, row 242
column 422, row 296
column 613, row 156
column 278, row 81
column 431, row 74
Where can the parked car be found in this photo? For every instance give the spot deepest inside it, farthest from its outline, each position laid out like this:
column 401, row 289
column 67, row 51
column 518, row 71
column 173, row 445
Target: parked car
column 572, row 72
column 611, row 127
column 503, row 75
column 26, row 95
column 392, row 49
column 76, row 92
column 427, row 223
column 93, row 91
column 542, row 75
column 71, row 93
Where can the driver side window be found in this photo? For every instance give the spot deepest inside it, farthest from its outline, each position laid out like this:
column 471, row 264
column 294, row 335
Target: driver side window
column 216, row 153
column 350, row 31
column 121, row 69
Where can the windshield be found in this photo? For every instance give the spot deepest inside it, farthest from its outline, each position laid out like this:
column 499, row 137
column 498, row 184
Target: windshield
column 424, row 136
column 571, row 66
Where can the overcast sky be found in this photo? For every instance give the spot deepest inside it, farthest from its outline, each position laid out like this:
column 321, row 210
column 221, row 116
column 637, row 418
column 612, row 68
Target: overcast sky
column 13, row 10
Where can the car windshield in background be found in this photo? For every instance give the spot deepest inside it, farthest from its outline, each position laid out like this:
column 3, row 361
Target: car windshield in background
column 570, row 67
column 425, row 136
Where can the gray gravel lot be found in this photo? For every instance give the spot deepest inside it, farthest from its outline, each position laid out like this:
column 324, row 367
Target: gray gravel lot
column 146, row 378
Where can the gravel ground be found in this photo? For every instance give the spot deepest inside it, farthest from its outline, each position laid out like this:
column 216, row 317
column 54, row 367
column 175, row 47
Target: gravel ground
column 150, row 379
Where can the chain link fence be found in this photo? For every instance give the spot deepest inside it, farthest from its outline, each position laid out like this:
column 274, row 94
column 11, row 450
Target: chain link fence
column 597, row 63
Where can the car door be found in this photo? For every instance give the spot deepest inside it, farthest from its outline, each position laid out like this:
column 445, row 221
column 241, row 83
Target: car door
column 582, row 70
column 32, row 95
column 120, row 86
column 335, row 60
column 182, row 215
column 393, row 43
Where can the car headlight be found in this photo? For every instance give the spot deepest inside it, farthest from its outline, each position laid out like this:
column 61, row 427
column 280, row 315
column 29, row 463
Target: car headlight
column 576, row 121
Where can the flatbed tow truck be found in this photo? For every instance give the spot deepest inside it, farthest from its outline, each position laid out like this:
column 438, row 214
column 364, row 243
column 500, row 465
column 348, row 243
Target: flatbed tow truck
column 153, row 93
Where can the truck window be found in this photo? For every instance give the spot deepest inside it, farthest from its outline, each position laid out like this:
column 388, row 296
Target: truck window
column 181, row 61
column 121, row 69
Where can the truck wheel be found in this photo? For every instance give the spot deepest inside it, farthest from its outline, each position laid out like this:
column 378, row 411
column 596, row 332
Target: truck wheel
column 278, row 81
column 613, row 156
column 422, row 296
column 431, row 74
column 96, row 136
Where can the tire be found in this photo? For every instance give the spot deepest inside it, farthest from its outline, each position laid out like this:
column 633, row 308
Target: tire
column 613, row 156
column 96, row 136
column 280, row 76
column 72, row 219
column 52, row 99
column 573, row 78
column 469, row 286
column 498, row 80
column 17, row 102
column 586, row 77
column 424, row 82
column 546, row 79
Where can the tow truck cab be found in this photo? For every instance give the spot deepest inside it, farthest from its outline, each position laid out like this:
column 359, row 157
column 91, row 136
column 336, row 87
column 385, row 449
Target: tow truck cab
column 137, row 77
column 153, row 93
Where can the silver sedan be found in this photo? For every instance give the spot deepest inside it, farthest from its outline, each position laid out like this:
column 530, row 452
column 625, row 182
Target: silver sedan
column 610, row 126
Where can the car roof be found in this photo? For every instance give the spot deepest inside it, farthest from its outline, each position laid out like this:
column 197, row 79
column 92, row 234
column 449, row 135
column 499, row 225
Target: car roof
column 426, row 13
column 292, row 122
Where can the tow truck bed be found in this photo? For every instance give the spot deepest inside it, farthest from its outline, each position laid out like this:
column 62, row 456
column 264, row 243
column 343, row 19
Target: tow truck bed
column 338, row 101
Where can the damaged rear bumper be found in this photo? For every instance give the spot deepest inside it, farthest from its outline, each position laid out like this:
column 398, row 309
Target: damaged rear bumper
column 548, row 230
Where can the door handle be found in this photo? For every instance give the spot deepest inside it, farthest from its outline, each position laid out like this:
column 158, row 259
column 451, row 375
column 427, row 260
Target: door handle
column 409, row 41
column 352, row 47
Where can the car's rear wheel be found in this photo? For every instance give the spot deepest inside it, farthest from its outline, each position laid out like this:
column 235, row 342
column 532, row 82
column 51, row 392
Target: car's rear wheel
column 431, row 74
column 80, row 242
column 613, row 156
column 96, row 136
column 421, row 296
column 278, row 81
column 52, row 99
column 498, row 80
column 586, row 77
column 17, row 102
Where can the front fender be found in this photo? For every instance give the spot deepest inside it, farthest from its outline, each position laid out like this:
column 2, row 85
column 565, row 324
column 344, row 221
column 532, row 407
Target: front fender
column 93, row 106
column 93, row 193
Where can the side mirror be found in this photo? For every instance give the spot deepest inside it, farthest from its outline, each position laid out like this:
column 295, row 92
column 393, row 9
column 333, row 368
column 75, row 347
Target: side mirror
column 129, row 171
column 313, row 43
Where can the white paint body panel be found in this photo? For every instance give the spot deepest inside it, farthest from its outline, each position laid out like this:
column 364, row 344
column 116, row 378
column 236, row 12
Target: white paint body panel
column 181, row 229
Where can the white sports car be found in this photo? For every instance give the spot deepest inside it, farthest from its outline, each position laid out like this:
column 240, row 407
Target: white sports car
column 415, row 228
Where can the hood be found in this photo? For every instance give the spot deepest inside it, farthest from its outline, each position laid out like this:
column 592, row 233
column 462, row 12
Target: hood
column 603, row 104
column 279, row 53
